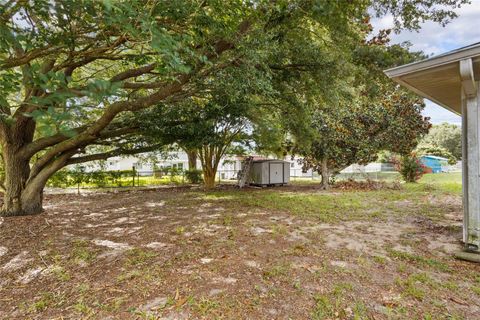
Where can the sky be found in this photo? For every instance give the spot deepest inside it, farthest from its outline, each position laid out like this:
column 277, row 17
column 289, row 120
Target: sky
column 433, row 39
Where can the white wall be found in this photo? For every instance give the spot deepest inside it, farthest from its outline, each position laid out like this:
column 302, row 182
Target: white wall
column 175, row 159
column 228, row 167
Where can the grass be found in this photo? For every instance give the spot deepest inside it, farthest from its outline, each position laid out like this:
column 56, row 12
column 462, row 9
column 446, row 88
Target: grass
column 139, row 256
column 333, row 305
column 276, row 271
column 413, row 285
column 206, row 306
column 326, row 207
column 445, row 182
column 61, row 273
column 413, row 258
column 47, row 300
column 81, row 252
column 337, row 207
column 412, row 282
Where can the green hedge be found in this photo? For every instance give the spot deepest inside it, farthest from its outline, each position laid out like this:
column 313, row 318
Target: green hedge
column 194, row 176
column 69, row 178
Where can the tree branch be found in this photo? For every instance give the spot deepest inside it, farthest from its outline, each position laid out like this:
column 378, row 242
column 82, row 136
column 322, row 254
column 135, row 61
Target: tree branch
column 133, row 73
column 112, row 153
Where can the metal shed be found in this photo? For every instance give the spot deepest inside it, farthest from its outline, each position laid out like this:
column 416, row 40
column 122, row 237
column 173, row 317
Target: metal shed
column 434, row 163
column 270, row 172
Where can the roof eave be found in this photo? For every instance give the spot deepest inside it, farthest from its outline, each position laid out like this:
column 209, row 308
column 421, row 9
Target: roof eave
column 424, row 95
column 472, row 51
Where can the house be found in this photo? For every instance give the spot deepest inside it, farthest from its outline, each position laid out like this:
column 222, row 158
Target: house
column 434, row 164
column 145, row 164
column 452, row 81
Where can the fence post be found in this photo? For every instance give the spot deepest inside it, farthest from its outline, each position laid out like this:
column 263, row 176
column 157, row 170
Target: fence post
column 133, row 176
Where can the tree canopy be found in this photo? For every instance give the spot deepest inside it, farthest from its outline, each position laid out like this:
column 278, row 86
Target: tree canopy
column 73, row 74
column 447, row 136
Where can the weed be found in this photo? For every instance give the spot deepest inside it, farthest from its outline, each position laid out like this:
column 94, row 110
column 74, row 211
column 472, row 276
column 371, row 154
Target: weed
column 476, row 290
column 360, row 311
column 276, row 271
column 113, row 305
column 43, row 303
column 380, row 259
column 297, row 285
column 138, row 256
column 60, row 273
column 324, row 309
column 411, row 285
column 205, row 306
column 129, row 275
column 82, row 307
column 180, row 230
column 81, row 252
column 279, row 229
column 47, row 300
column 340, row 288
column 405, row 256
column 450, row 285
column 83, row 288
column 227, row 220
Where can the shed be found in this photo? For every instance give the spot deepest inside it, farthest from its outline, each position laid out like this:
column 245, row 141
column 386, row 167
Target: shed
column 435, row 163
column 270, row 172
column 452, row 80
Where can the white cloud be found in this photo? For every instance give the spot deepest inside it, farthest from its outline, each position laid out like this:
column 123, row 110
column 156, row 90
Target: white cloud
column 438, row 114
column 435, row 39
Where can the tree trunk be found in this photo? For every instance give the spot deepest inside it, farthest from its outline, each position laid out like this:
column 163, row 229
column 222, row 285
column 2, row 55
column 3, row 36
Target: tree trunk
column 325, row 175
column 209, row 177
column 20, row 197
column 192, row 159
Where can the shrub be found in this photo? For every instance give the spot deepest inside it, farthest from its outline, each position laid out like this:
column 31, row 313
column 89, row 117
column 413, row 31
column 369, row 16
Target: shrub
column 67, row 178
column 194, row 176
column 409, row 167
column 99, row 178
column 60, row 179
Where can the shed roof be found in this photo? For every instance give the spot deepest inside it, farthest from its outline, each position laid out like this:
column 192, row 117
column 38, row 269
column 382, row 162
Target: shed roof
column 438, row 78
column 270, row 160
column 434, row 157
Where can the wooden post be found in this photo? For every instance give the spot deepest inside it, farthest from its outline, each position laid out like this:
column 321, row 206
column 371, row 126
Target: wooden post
column 470, row 157
column 133, row 176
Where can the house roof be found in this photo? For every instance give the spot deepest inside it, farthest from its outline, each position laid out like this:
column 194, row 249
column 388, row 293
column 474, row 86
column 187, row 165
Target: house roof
column 434, row 157
column 270, row 160
column 438, row 78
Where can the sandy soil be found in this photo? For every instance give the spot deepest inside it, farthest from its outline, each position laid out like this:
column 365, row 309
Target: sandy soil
column 178, row 254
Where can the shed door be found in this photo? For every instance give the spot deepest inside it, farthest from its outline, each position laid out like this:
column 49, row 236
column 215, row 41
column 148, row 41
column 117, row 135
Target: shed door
column 276, row 173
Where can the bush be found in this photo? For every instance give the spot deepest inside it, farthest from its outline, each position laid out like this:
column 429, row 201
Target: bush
column 194, row 176
column 67, row 178
column 60, row 179
column 409, row 167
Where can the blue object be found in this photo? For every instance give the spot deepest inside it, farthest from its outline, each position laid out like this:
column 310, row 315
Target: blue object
column 437, row 164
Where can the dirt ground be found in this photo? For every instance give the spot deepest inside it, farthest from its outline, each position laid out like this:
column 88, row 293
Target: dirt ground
column 291, row 253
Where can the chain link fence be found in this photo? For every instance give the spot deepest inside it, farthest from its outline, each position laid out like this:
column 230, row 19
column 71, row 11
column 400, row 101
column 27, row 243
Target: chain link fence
column 79, row 180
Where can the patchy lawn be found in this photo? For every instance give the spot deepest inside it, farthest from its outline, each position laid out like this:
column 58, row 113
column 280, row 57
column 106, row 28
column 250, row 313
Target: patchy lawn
column 284, row 253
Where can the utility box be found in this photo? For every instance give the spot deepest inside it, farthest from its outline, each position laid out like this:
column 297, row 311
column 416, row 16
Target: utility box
column 270, row 172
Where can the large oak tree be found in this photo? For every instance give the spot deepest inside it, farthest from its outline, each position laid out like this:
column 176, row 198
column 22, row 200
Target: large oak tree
column 74, row 73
